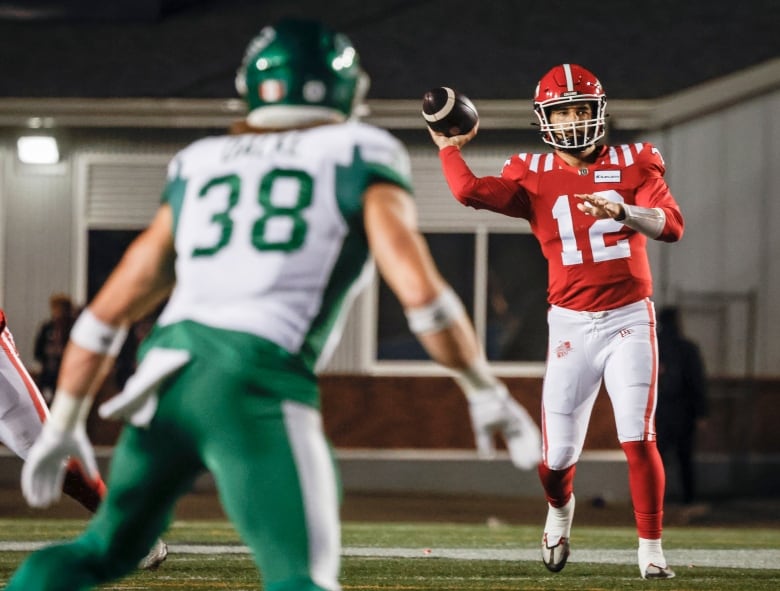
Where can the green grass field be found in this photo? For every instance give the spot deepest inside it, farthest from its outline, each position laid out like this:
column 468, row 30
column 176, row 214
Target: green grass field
column 419, row 557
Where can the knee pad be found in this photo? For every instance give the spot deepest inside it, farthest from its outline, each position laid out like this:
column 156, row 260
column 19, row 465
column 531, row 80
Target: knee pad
column 560, row 458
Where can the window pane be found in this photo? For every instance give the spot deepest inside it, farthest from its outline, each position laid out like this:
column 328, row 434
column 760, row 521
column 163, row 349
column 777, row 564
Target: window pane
column 454, row 255
column 106, row 248
column 517, row 299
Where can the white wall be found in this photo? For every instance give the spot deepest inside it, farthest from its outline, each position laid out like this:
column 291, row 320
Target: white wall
column 725, row 273
column 36, row 232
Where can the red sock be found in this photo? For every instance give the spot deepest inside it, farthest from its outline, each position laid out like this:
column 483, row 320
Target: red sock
column 558, row 484
column 647, row 480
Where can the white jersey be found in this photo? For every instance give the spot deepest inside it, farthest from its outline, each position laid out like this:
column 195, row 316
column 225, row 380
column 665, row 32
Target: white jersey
column 268, row 229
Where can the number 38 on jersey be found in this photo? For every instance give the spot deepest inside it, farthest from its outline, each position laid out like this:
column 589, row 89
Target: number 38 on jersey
column 277, row 222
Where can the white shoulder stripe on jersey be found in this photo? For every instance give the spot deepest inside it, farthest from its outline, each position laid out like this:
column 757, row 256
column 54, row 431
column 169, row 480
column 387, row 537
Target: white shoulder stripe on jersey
column 534, row 160
column 627, row 155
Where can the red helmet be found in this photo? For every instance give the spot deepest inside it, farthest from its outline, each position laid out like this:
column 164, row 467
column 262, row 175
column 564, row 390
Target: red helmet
column 570, row 83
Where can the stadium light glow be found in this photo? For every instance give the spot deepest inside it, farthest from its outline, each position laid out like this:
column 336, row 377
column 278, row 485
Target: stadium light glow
column 38, row 149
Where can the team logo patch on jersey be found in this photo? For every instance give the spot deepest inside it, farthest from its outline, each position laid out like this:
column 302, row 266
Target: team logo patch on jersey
column 607, row 176
column 563, row 349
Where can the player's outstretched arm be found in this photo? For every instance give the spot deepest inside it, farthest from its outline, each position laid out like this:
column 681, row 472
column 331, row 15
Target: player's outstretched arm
column 143, row 277
column 440, row 322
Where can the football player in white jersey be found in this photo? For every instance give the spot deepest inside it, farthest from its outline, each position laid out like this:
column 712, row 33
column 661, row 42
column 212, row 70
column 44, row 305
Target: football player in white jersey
column 259, row 243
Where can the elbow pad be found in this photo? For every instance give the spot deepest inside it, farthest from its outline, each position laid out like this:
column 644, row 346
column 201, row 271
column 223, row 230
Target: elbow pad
column 645, row 220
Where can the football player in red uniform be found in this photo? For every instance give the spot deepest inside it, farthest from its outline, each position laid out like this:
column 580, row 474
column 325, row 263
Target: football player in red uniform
column 592, row 208
column 23, row 412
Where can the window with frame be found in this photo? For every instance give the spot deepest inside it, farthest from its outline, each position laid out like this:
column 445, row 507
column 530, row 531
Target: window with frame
column 501, row 279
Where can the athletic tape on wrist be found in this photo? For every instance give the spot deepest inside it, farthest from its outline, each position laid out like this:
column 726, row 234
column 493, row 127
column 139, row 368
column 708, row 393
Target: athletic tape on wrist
column 645, row 220
column 94, row 335
column 438, row 315
column 475, row 379
column 67, row 411
column 119, row 339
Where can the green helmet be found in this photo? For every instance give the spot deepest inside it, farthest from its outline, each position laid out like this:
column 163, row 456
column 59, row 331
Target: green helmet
column 298, row 72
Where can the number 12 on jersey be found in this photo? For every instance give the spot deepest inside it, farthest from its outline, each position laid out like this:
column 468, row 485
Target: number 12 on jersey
column 571, row 253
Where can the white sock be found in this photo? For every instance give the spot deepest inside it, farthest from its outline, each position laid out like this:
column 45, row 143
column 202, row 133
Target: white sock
column 650, row 551
column 558, row 524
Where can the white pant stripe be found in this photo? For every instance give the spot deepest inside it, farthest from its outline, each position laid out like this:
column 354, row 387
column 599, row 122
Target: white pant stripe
column 320, row 497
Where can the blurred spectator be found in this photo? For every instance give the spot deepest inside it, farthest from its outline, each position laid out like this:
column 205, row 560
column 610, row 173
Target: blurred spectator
column 51, row 340
column 682, row 398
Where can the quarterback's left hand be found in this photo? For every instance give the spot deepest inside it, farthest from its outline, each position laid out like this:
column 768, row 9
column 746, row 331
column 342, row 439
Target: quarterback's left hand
column 44, row 470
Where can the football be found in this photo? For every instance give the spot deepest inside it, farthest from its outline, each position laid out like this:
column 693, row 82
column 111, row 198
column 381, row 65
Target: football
column 447, row 111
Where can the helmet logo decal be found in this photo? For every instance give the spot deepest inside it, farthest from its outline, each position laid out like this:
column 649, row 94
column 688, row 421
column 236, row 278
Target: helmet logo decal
column 272, row 91
column 314, row 91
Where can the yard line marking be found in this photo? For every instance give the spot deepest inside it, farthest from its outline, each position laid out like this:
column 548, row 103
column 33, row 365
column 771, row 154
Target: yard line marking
column 754, row 558
column 736, row 558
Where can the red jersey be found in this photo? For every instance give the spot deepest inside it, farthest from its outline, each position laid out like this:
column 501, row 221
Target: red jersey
column 593, row 264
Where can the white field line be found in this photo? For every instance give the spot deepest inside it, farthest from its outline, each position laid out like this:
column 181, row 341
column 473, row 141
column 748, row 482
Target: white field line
column 754, row 558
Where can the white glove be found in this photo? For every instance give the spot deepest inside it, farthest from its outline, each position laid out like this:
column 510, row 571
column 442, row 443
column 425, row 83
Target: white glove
column 44, row 470
column 494, row 411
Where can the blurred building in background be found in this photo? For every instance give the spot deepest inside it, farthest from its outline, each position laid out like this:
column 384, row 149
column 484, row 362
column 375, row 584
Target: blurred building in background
column 121, row 86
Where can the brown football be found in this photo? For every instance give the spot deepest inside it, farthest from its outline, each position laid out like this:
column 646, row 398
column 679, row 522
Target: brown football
column 448, row 111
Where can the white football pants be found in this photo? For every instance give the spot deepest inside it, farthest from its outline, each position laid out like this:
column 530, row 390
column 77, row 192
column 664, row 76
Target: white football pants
column 22, row 407
column 617, row 346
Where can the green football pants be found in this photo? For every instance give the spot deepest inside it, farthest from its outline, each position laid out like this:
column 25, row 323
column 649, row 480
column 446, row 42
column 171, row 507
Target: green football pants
column 272, row 465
